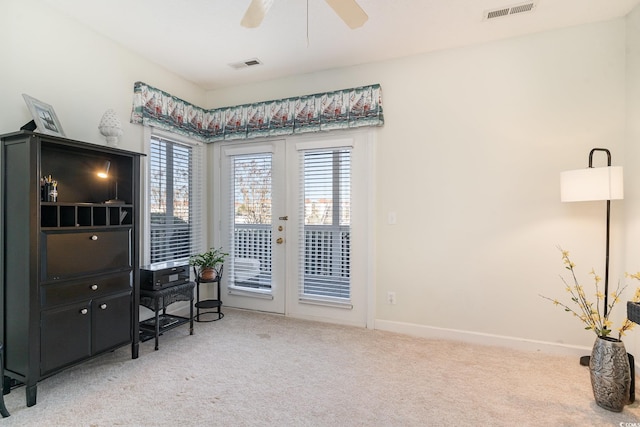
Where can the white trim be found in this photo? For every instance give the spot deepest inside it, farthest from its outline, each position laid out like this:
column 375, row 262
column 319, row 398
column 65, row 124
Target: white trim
column 370, row 152
column 145, row 219
column 326, row 302
column 361, row 139
column 255, row 293
column 432, row 332
column 236, row 150
column 170, row 136
column 199, row 149
column 326, row 143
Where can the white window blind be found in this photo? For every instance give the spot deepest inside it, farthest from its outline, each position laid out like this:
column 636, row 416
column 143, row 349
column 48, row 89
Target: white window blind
column 175, row 199
column 325, row 240
column 251, row 214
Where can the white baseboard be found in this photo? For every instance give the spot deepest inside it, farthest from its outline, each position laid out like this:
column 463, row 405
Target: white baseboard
column 481, row 338
column 432, row 332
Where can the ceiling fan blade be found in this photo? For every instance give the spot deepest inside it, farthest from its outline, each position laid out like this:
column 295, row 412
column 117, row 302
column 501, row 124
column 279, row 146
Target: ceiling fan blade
column 350, row 12
column 255, row 13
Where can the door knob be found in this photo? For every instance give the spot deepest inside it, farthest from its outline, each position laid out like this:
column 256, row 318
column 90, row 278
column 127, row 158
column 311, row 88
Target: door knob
column 279, row 240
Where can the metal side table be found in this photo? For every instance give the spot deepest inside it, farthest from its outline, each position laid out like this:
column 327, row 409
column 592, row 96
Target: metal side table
column 158, row 301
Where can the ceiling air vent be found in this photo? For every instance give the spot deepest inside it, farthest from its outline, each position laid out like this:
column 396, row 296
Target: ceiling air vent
column 509, row 10
column 245, row 64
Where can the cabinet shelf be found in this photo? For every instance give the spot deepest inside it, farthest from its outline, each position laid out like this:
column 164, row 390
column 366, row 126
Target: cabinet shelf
column 62, row 215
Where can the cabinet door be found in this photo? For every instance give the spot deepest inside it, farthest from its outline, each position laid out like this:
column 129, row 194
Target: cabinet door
column 111, row 322
column 69, row 254
column 65, row 336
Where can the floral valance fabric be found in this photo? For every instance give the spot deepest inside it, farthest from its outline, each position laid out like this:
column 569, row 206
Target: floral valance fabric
column 341, row 109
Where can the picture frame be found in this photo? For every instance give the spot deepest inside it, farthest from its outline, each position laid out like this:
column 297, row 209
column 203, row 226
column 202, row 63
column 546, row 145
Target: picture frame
column 44, row 116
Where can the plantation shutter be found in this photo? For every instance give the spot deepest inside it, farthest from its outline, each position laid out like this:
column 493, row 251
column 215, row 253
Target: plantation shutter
column 175, row 199
column 325, row 216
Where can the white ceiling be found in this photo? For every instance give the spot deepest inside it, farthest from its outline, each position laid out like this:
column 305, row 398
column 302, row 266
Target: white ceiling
column 198, row 39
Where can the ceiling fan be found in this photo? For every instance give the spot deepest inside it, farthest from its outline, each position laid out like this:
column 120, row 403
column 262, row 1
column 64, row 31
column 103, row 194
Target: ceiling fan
column 348, row 10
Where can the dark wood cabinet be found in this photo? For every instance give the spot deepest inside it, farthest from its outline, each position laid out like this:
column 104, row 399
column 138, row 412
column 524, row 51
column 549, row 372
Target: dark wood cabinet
column 69, row 263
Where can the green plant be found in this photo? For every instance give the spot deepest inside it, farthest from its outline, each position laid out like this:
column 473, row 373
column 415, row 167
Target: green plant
column 209, row 259
column 588, row 312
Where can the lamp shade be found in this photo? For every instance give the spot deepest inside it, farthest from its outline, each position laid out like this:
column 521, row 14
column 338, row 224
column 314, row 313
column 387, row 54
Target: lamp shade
column 583, row 185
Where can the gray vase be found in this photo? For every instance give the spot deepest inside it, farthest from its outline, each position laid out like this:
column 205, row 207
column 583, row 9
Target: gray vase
column 610, row 374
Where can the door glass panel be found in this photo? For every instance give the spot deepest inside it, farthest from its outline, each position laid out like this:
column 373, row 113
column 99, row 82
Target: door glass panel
column 251, row 221
column 326, row 227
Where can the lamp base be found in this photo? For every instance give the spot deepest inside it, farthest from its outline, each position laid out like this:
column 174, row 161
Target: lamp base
column 584, row 360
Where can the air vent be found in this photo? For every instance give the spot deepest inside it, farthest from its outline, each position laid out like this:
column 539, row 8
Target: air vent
column 245, row 64
column 509, row 10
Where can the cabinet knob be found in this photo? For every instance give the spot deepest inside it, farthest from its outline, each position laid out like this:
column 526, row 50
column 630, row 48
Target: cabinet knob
column 84, row 311
column 94, row 237
column 94, row 287
column 103, row 306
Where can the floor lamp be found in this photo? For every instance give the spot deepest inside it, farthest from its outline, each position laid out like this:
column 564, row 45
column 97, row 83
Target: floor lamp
column 603, row 183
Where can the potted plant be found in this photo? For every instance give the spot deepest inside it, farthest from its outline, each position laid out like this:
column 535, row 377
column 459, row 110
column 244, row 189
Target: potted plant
column 611, row 368
column 207, row 263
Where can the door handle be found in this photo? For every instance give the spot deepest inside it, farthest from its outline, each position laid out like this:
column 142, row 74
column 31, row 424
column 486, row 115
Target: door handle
column 279, row 240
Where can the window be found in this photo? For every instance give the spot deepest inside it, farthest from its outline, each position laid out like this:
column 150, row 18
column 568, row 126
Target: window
column 326, row 224
column 251, row 220
column 174, row 200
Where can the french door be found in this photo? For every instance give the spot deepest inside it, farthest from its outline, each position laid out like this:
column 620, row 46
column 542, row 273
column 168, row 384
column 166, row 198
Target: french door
column 253, row 221
column 294, row 216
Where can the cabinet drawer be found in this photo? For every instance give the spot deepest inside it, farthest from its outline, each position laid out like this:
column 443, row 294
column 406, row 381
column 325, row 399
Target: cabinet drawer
column 81, row 290
column 77, row 253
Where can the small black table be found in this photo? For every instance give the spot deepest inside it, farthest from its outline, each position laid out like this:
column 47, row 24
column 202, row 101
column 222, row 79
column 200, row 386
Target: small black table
column 212, row 305
column 159, row 300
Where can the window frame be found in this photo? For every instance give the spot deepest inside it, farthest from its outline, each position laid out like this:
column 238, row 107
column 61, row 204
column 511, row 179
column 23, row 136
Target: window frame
column 198, row 193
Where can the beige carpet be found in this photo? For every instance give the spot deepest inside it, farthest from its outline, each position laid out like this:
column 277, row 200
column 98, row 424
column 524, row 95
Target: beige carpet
column 253, row 369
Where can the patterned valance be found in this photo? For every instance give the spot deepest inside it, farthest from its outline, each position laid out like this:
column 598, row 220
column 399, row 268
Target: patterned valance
column 341, row 109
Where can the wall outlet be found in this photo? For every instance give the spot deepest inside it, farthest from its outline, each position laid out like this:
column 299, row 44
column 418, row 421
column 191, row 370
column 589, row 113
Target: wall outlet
column 391, row 297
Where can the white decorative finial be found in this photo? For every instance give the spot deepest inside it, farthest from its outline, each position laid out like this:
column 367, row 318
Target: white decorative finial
column 110, row 127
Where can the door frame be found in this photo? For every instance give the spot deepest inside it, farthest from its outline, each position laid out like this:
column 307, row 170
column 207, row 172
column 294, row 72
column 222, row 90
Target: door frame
column 365, row 140
column 274, row 299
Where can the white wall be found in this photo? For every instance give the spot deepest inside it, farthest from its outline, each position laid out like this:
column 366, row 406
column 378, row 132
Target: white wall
column 81, row 74
column 632, row 160
column 469, row 157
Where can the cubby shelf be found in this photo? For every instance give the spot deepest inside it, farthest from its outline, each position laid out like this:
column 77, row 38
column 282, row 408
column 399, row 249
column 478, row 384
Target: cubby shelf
column 62, row 215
